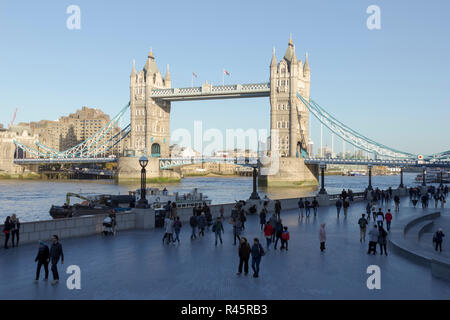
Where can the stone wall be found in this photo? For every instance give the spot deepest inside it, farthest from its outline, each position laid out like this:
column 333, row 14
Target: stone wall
column 291, row 172
column 129, row 169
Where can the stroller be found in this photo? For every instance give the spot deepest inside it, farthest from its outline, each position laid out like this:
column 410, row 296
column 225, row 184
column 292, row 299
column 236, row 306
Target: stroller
column 109, row 225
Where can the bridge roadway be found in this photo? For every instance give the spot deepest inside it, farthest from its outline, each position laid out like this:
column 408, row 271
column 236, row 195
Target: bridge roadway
column 136, row 265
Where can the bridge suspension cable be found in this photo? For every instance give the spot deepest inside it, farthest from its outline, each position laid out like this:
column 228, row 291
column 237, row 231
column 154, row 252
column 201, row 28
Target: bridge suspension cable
column 351, row 136
column 93, row 146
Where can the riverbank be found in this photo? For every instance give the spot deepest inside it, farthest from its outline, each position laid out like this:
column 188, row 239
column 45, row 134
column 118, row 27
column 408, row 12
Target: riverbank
column 24, row 176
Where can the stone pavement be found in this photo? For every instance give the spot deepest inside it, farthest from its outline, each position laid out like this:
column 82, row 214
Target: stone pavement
column 136, row 265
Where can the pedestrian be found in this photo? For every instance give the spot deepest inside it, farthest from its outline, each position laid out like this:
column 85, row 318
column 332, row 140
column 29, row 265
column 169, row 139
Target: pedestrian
column 56, row 253
column 174, row 211
column 301, row 208
column 168, row 224
column 338, row 206
column 388, row 217
column 362, row 228
column 307, row 207
column 236, row 230
column 257, row 252
column 262, row 216
column 7, row 230
column 273, row 222
column 278, row 231
column 278, row 208
column 221, row 211
column 442, row 198
column 42, row 259
column 374, row 214
column 315, row 205
column 284, row 238
column 373, row 239
column 268, row 233
column 194, row 223
column 380, row 218
column 368, row 209
column 177, row 225
column 217, row 228
column 438, row 238
column 201, row 224
column 322, row 237
column 397, row 203
column 346, row 206
column 382, row 236
column 244, row 255
column 242, row 218
column 15, row 228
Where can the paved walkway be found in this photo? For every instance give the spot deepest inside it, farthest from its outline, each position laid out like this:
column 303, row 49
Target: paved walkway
column 135, row 265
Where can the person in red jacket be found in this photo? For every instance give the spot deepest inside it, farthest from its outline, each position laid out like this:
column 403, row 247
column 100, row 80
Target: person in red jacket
column 268, row 232
column 388, row 218
column 284, row 239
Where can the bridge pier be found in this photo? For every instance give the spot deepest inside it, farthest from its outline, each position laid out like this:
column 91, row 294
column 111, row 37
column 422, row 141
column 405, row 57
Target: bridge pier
column 129, row 169
column 289, row 172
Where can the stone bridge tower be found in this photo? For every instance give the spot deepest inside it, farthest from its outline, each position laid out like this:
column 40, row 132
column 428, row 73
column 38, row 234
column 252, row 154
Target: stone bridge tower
column 289, row 120
column 150, row 119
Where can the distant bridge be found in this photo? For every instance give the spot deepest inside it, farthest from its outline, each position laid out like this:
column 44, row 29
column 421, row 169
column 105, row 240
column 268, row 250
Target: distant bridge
column 381, row 162
column 40, row 161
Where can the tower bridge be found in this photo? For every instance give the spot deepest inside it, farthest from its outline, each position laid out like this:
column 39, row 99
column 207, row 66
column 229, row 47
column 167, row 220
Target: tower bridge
column 288, row 90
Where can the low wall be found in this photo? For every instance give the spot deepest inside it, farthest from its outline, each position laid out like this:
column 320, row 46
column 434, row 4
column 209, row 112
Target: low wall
column 69, row 227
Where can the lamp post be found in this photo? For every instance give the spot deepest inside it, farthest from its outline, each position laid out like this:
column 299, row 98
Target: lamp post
column 441, row 184
column 323, row 166
column 424, row 183
column 401, row 178
column 255, row 195
column 369, row 166
column 143, row 161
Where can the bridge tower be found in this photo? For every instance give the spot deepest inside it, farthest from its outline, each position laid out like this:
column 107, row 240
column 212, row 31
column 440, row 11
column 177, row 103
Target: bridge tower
column 150, row 118
column 289, row 120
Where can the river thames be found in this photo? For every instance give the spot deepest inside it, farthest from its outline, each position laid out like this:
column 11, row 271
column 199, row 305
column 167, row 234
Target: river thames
column 31, row 200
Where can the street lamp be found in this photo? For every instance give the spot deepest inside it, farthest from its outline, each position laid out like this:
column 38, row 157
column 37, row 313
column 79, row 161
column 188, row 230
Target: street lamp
column 424, row 176
column 369, row 166
column 401, row 178
column 143, row 161
column 255, row 195
column 323, row 166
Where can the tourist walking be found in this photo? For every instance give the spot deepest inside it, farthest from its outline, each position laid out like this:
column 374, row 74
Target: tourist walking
column 368, row 209
column 56, row 253
column 307, row 208
column 388, row 217
column 380, row 218
column 284, row 238
column 244, row 255
column 273, row 222
column 257, row 252
column 15, row 229
column 7, row 230
column 442, row 198
column 278, row 231
column 322, row 237
column 338, row 207
column 168, row 225
column 315, row 205
column 217, row 228
column 193, row 223
column 42, row 259
column 177, row 225
column 201, row 224
column 346, row 206
column 301, row 208
column 373, row 239
column 382, row 240
column 438, row 238
column 237, row 227
column 362, row 228
column 397, row 203
column 278, row 208
column 242, row 218
column 262, row 216
column 222, row 211
column 174, row 211
column 374, row 214
column 268, row 232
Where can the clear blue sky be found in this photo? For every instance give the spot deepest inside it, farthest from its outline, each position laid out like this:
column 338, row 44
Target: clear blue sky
column 392, row 85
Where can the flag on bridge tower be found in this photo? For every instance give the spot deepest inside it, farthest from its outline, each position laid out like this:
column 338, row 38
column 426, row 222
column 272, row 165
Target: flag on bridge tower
column 193, row 75
column 225, row 72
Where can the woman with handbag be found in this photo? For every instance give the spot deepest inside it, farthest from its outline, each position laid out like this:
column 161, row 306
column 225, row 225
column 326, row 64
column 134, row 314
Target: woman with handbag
column 7, row 230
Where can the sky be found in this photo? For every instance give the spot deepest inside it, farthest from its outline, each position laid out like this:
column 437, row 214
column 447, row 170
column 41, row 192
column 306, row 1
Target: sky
column 391, row 84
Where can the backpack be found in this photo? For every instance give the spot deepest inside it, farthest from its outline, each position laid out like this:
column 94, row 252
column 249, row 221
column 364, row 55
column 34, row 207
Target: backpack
column 214, row 228
column 285, row 236
column 362, row 223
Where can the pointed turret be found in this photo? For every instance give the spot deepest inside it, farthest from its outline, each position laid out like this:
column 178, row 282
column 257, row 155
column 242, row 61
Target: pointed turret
column 306, row 69
column 150, row 54
column 273, row 63
column 150, row 67
column 289, row 51
column 294, row 57
column 167, row 80
column 133, row 70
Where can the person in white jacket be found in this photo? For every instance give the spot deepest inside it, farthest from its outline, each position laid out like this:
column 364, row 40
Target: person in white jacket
column 373, row 239
column 168, row 224
column 322, row 237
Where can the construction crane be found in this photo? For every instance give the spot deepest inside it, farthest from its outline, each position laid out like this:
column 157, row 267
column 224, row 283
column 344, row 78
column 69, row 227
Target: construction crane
column 13, row 119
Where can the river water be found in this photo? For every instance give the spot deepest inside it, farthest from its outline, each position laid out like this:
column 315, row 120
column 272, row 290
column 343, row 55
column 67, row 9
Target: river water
column 31, row 200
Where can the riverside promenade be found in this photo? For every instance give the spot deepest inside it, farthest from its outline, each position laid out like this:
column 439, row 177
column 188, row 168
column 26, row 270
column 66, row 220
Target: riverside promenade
column 136, row 265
